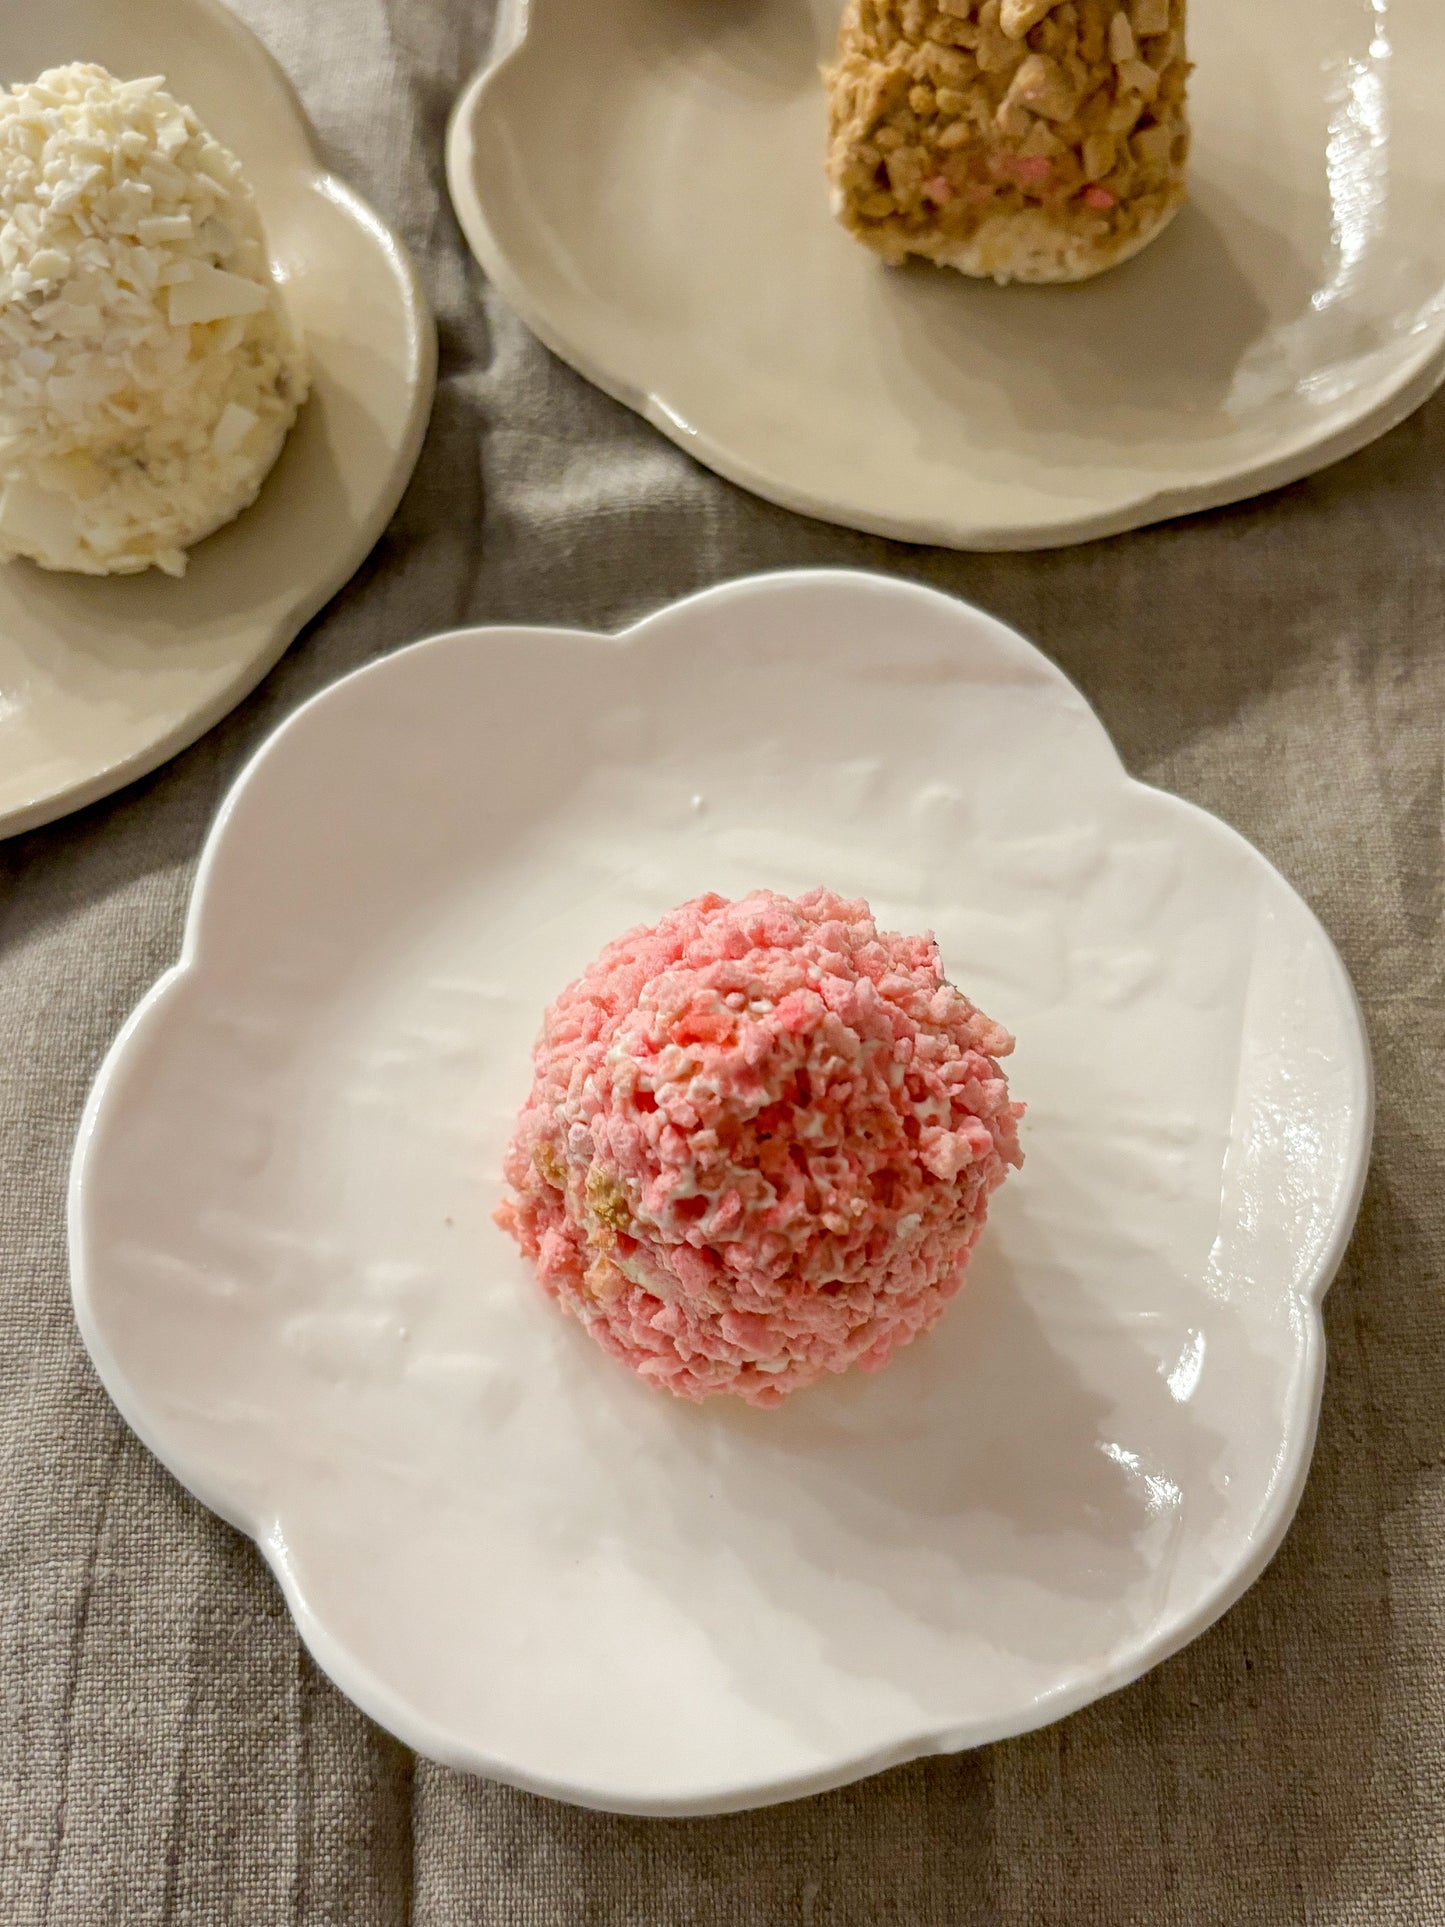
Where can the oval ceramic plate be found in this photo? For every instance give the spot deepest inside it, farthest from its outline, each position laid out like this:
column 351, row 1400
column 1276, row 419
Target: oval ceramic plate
column 504, row 1547
column 101, row 680
column 645, row 186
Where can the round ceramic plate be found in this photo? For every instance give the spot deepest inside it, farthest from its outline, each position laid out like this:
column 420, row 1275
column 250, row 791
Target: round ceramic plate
column 102, row 680
column 647, row 190
column 499, row 1543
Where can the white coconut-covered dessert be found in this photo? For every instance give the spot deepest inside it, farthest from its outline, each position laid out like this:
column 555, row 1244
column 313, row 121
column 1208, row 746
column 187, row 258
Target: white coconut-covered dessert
column 148, row 372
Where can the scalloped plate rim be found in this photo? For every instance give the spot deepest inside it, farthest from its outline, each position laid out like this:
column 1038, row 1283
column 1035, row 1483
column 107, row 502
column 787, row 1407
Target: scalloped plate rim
column 351, row 1675
column 1387, row 404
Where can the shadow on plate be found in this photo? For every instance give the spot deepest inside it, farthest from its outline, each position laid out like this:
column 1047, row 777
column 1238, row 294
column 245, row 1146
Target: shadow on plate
column 972, row 1505
column 1166, row 347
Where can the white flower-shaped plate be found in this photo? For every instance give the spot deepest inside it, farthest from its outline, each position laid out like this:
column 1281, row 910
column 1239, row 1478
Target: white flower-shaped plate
column 102, row 680
column 501, row 1545
column 644, row 183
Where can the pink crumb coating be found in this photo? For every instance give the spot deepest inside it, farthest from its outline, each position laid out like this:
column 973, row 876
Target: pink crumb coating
column 760, row 1144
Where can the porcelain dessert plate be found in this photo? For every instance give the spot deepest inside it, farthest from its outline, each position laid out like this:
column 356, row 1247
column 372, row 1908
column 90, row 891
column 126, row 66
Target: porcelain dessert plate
column 647, row 190
column 503, row 1546
column 101, row 680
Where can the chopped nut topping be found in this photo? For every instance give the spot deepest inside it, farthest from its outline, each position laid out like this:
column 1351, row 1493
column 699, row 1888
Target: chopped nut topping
column 1040, row 139
column 997, row 52
column 1041, row 86
column 1018, row 17
column 1139, row 78
column 1098, row 155
column 990, row 109
column 1153, row 145
column 1122, row 45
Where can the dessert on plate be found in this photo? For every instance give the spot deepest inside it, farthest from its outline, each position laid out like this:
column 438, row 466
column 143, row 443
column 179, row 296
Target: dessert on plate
column 760, row 1144
column 1024, row 140
column 148, row 373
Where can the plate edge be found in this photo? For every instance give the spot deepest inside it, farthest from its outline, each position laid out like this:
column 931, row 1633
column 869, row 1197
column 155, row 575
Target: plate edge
column 371, row 1695
column 318, row 180
column 1417, row 382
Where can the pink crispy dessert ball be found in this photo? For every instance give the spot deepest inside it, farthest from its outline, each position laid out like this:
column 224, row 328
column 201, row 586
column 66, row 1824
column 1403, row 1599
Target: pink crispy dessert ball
column 760, row 1144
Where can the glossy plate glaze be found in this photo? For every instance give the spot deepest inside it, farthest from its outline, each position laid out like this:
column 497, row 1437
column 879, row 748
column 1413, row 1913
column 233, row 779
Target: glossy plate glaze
column 646, row 188
column 101, row 680
column 505, row 1548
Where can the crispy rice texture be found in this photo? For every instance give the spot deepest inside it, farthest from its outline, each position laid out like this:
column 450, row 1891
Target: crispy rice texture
column 760, row 1145
column 1028, row 140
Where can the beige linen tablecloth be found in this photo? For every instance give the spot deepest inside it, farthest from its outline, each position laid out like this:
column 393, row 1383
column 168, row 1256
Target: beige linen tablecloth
column 167, row 1750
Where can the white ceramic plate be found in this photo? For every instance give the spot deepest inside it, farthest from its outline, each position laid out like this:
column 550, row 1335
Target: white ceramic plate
column 645, row 186
column 101, row 681
column 505, row 1548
